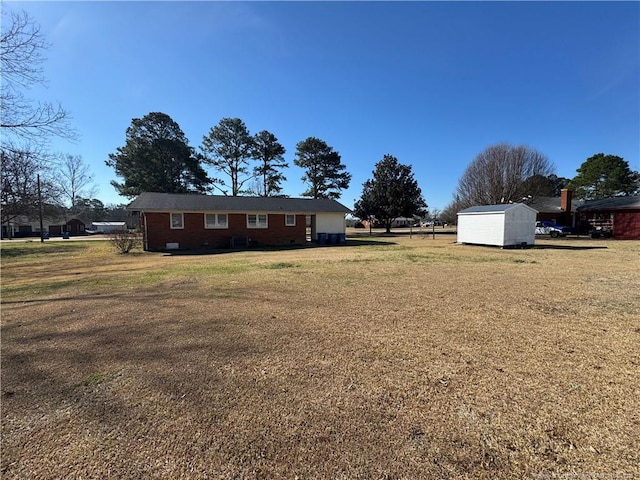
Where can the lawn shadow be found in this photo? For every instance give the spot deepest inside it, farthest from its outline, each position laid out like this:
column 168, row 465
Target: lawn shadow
column 569, row 247
column 13, row 252
column 350, row 242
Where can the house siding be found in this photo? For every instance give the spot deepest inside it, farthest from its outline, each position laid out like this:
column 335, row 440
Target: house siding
column 158, row 233
column 625, row 223
column 328, row 223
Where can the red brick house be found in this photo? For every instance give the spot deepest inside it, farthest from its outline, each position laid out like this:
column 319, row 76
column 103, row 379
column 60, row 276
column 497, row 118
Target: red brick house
column 560, row 210
column 190, row 221
column 618, row 215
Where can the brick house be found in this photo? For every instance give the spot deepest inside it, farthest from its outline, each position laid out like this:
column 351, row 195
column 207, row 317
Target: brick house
column 560, row 210
column 618, row 215
column 189, row 221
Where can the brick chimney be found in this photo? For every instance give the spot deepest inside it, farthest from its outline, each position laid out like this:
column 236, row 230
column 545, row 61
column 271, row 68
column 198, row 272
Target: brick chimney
column 565, row 200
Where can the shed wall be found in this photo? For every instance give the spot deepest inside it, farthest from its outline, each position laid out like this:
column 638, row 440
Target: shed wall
column 483, row 229
column 520, row 227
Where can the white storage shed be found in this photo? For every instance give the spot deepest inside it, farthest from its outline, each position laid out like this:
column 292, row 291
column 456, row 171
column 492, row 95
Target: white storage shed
column 108, row 227
column 507, row 225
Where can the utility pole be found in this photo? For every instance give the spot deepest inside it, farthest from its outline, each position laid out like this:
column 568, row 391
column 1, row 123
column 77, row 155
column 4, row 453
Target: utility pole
column 40, row 211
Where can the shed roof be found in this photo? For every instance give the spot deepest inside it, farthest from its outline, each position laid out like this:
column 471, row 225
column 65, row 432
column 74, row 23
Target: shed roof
column 108, row 224
column 494, row 208
column 613, row 203
column 164, row 202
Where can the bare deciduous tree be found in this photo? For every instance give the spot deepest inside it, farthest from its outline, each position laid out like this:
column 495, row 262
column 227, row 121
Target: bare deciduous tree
column 499, row 174
column 74, row 178
column 21, row 50
column 19, row 172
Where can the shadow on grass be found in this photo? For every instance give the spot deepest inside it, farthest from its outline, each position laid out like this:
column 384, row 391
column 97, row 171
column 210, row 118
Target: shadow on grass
column 351, row 242
column 39, row 249
column 97, row 296
column 569, row 247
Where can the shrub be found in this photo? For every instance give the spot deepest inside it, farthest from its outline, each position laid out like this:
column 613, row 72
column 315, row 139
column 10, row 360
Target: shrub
column 125, row 241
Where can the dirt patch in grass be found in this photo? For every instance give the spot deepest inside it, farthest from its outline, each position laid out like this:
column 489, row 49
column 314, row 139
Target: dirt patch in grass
column 416, row 358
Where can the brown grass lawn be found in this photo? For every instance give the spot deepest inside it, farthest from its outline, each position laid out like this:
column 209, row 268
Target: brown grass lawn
column 391, row 357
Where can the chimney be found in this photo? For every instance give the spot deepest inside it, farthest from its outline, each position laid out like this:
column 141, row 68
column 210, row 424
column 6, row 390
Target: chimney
column 565, row 200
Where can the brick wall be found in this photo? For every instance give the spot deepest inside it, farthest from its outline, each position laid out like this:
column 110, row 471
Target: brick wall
column 626, row 225
column 194, row 235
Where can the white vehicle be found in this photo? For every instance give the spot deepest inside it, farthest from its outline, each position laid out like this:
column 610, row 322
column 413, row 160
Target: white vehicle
column 550, row 228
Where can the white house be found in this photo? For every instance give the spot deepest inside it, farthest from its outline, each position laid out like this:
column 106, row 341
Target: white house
column 507, row 225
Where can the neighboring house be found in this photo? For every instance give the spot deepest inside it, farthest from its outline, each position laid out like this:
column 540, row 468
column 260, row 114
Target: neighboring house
column 189, row 221
column 618, row 215
column 559, row 210
column 506, row 225
column 399, row 222
column 52, row 226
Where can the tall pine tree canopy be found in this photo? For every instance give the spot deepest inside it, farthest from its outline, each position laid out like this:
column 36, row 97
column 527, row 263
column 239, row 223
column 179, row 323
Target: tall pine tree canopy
column 392, row 192
column 157, row 157
column 325, row 174
column 602, row 176
column 228, row 148
column 269, row 154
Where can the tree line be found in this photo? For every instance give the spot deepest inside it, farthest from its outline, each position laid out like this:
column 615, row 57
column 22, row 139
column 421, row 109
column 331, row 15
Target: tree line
column 157, row 157
column 504, row 173
column 58, row 186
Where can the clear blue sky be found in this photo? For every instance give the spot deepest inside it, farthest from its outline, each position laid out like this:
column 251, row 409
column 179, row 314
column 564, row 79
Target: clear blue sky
column 432, row 83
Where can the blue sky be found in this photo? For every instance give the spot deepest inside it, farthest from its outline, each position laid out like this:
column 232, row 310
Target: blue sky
column 432, row 83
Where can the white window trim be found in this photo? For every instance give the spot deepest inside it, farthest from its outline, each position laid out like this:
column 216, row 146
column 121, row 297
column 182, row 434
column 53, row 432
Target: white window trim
column 216, row 224
column 286, row 218
column 258, row 225
column 181, row 227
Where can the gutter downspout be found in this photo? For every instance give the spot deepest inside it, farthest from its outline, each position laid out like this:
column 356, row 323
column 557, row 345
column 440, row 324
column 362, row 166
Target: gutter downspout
column 145, row 238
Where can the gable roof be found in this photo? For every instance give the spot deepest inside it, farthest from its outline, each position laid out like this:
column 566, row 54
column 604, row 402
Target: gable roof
column 188, row 202
column 494, row 208
column 613, row 203
column 550, row 204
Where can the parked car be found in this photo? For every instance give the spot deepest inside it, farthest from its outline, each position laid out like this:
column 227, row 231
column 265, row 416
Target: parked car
column 550, row 228
column 601, row 232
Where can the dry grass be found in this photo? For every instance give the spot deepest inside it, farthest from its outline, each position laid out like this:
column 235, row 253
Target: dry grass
column 402, row 358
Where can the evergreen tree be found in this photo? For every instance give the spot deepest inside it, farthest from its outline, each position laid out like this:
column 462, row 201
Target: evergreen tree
column 325, row 174
column 270, row 155
column 157, row 157
column 228, row 148
column 392, row 192
column 602, row 176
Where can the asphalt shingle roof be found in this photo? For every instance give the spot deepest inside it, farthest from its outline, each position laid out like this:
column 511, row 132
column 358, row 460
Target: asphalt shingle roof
column 612, row 203
column 164, row 202
column 550, row 204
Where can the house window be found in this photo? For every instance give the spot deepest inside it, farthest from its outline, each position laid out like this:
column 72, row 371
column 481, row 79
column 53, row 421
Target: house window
column 257, row 221
column 177, row 221
column 290, row 220
column 215, row 220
